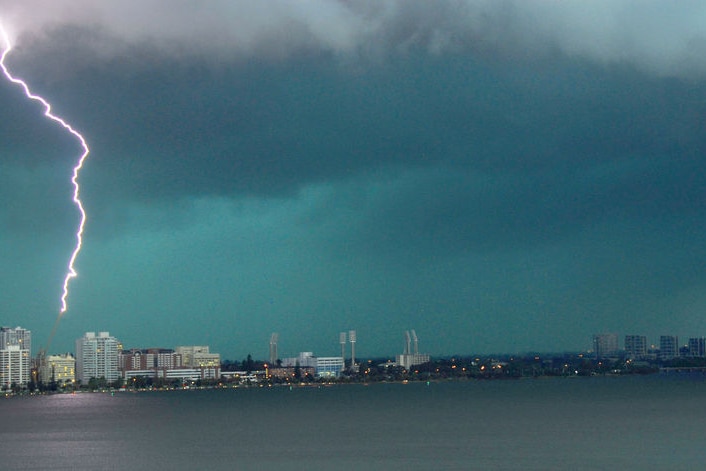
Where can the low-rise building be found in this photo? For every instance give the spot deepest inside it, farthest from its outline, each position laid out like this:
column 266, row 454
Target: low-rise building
column 186, row 363
column 408, row 360
column 329, row 367
column 142, row 359
column 323, row 367
column 60, row 369
column 303, row 360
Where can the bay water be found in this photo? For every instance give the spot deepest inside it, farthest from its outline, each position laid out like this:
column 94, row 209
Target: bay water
column 627, row 423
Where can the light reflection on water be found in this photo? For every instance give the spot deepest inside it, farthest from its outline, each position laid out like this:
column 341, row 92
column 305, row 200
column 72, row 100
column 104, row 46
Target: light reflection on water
column 592, row 423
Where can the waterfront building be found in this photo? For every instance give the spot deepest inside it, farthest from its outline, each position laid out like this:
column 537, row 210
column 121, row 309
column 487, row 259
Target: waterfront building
column 97, row 357
column 636, row 346
column 605, row 345
column 150, row 358
column 410, row 356
column 668, row 347
column 187, row 363
column 408, row 360
column 15, row 367
column 16, row 336
column 303, row 360
column 192, row 374
column 15, row 357
column 697, row 347
column 59, row 368
column 290, row 372
column 323, row 367
column 183, row 374
column 198, row 356
column 329, row 367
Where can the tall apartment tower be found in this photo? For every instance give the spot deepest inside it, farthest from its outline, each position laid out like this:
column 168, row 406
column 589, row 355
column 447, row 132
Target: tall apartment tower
column 605, row 345
column 97, row 357
column 636, row 346
column 15, row 356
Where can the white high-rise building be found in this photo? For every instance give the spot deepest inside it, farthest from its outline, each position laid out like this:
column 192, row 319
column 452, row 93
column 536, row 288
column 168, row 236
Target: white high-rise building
column 14, row 367
column 97, row 357
column 15, row 356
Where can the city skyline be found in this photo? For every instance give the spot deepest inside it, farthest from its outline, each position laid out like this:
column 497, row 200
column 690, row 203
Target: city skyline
column 503, row 176
column 406, row 343
column 101, row 360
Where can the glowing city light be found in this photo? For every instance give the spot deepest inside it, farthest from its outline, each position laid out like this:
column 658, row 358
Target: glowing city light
column 71, row 272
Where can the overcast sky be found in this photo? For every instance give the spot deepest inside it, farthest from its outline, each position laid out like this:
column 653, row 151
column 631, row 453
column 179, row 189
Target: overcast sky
column 501, row 176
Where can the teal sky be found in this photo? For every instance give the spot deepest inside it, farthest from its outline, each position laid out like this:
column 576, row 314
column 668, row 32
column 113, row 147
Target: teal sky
column 499, row 176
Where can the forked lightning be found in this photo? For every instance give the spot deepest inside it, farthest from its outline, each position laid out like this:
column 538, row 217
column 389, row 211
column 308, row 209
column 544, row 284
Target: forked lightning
column 71, row 272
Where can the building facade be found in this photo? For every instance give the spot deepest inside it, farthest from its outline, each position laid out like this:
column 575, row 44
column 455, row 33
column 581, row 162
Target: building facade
column 16, row 336
column 15, row 357
column 150, row 358
column 15, row 367
column 668, row 347
column 97, row 357
column 329, row 367
column 605, row 345
column 198, row 356
column 697, row 347
column 408, row 360
column 636, row 346
column 323, row 367
column 60, row 369
column 303, row 360
column 188, row 363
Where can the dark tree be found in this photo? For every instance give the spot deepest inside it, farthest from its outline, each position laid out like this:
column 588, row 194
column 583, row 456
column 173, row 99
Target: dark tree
column 249, row 364
column 297, row 371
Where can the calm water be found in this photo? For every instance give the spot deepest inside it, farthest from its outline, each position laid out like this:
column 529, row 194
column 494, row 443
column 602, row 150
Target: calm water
column 653, row 422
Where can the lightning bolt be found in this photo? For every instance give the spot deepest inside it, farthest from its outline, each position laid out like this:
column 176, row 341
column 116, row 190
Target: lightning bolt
column 71, row 272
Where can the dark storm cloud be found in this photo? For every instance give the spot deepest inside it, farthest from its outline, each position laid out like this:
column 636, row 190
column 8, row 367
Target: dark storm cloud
column 175, row 123
column 166, row 130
